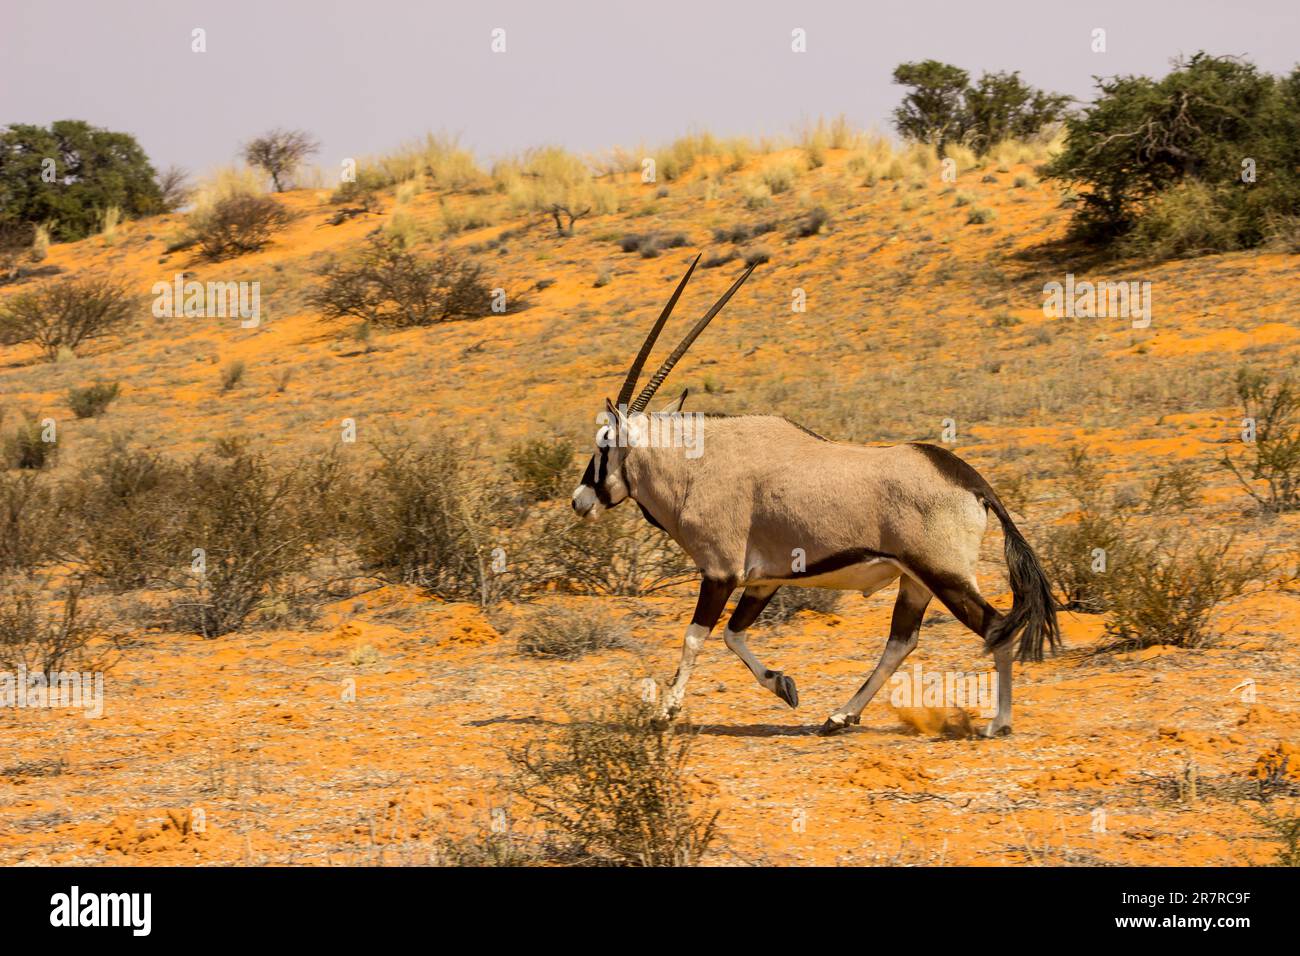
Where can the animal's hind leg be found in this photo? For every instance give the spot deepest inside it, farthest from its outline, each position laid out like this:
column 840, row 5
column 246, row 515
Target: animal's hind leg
column 1001, row 723
column 962, row 597
column 748, row 608
column 904, row 632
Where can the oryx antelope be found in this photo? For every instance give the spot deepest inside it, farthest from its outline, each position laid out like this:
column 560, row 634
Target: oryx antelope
column 765, row 491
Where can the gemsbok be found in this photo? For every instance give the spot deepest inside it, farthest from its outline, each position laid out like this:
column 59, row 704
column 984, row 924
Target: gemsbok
column 767, row 504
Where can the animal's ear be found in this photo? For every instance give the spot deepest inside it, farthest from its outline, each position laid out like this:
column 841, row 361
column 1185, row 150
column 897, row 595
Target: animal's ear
column 612, row 414
column 675, row 406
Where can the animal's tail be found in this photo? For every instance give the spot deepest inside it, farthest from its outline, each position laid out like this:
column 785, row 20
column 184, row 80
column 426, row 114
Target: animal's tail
column 1033, row 609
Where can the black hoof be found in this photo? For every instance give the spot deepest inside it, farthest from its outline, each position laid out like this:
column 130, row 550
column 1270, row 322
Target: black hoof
column 833, row 727
column 1000, row 732
column 786, row 690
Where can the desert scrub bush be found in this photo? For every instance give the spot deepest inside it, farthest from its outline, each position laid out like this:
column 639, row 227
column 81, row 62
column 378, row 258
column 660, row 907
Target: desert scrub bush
column 963, row 199
column 31, row 444
column 1272, row 413
column 787, row 602
column 1166, row 594
column 65, row 313
column 542, row 468
column 811, row 222
column 979, row 215
column 651, row 244
column 745, row 231
column 619, row 554
column 462, row 217
column 124, row 508
column 1082, row 553
column 755, row 194
column 33, row 522
column 430, row 516
column 362, row 187
column 91, row 401
column 1188, row 219
column 34, row 636
column 780, row 177
column 232, row 373
column 388, row 285
column 569, row 633
column 612, row 790
column 235, row 225
column 241, row 531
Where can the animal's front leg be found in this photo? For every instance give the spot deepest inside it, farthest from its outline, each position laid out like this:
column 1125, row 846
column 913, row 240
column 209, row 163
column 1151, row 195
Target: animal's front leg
column 708, row 608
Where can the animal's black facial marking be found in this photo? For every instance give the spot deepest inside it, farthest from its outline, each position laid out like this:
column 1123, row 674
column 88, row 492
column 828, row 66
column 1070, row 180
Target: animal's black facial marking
column 595, row 475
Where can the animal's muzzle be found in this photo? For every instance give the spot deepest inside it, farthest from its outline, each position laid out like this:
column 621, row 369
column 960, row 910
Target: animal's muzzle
column 584, row 500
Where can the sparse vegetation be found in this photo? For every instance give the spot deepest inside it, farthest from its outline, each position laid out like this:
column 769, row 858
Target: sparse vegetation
column 613, row 790
column 1167, row 593
column 542, row 468
column 430, row 516
column 91, row 401
column 236, row 225
column 32, row 444
column 65, row 313
column 390, row 286
column 45, row 641
column 569, row 633
column 787, row 602
column 1272, row 410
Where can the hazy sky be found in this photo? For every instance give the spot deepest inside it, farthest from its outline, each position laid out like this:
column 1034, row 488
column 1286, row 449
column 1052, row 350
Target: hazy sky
column 365, row 75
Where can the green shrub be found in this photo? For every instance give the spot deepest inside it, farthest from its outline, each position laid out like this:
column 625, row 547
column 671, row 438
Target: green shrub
column 388, row 285
column 942, row 106
column 94, row 169
column 1203, row 126
column 1167, row 594
column 27, row 445
column 428, row 515
column 613, row 790
column 1274, row 456
column 236, row 224
column 90, row 401
column 1187, row 219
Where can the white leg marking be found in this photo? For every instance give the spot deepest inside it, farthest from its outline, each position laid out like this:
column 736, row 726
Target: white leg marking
column 696, row 634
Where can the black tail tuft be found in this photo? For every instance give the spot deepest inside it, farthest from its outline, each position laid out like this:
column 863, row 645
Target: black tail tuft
column 1033, row 609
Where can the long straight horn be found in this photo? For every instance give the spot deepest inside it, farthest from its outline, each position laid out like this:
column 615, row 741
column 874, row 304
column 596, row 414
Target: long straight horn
column 657, row 379
column 625, row 393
